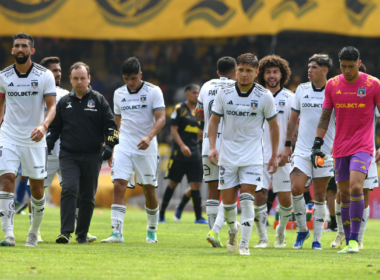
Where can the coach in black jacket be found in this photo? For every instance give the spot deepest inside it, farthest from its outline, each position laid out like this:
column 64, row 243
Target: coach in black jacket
column 84, row 121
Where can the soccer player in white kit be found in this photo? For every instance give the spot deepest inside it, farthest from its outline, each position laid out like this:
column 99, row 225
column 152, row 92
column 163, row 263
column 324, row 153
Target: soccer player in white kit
column 226, row 70
column 307, row 104
column 274, row 73
column 140, row 114
column 244, row 107
column 25, row 87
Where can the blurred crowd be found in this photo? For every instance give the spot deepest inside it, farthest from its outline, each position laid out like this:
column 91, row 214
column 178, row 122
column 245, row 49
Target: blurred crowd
column 173, row 64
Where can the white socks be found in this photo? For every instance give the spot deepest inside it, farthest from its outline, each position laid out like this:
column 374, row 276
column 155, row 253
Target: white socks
column 38, row 207
column 219, row 222
column 338, row 217
column 261, row 217
column 319, row 219
column 285, row 214
column 152, row 215
column 212, row 211
column 246, row 218
column 364, row 223
column 230, row 215
column 117, row 218
column 7, row 212
column 299, row 208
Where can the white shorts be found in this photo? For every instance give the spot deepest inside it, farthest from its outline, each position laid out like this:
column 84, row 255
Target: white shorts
column 231, row 176
column 280, row 180
column 372, row 180
column 52, row 169
column 304, row 164
column 32, row 160
column 210, row 171
column 124, row 165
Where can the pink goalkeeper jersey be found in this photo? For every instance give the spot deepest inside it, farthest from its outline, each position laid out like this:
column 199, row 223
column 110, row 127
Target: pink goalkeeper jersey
column 354, row 106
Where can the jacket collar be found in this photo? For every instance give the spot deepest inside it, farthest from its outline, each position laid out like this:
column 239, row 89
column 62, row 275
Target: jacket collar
column 72, row 93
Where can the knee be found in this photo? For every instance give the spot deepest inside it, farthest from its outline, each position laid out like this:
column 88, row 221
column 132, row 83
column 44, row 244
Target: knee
column 195, row 185
column 7, row 183
column 296, row 190
column 356, row 188
column 119, row 188
column 319, row 195
column 149, row 191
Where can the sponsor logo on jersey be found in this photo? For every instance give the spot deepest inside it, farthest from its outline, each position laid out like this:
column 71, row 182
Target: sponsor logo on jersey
column 91, row 103
column 312, row 105
column 349, row 105
column 281, row 112
column 143, row 98
column 144, row 106
column 230, row 103
column 363, row 167
column 69, row 105
column 23, row 93
column 376, row 181
column 254, row 104
column 362, row 91
column 258, row 179
column 281, row 103
column 134, row 107
column 34, row 84
column 306, row 96
column 338, row 92
column 11, row 85
column 240, row 114
column 123, row 100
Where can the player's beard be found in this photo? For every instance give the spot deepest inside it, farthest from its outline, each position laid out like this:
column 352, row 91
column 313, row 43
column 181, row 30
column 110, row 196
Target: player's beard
column 21, row 60
column 269, row 85
column 57, row 83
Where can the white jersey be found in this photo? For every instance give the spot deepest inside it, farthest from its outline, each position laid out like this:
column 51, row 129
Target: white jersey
column 55, row 152
column 308, row 102
column 205, row 101
column 243, row 118
column 377, row 115
column 136, row 109
column 283, row 100
column 25, row 98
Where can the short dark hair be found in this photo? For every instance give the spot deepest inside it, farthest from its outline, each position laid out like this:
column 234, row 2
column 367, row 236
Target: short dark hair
column 79, row 64
column 131, row 66
column 50, row 60
column 24, row 36
column 362, row 68
column 248, row 58
column 274, row 61
column 226, row 65
column 322, row 60
column 349, row 53
column 191, row 86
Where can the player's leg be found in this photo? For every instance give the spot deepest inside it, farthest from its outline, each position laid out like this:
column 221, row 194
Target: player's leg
column 194, row 174
column 339, row 239
column 331, row 196
column 169, row 191
column 152, row 212
column 228, row 181
column 179, row 208
column 122, row 172
column 299, row 175
column 213, row 235
column 271, row 197
column 319, row 213
column 20, row 193
column 211, row 177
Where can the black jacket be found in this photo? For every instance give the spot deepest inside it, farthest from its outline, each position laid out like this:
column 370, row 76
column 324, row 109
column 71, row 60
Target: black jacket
column 83, row 124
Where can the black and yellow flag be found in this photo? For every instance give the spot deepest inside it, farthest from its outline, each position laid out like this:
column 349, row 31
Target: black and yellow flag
column 178, row 19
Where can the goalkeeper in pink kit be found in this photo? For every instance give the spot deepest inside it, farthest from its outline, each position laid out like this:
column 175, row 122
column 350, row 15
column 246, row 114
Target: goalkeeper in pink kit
column 353, row 95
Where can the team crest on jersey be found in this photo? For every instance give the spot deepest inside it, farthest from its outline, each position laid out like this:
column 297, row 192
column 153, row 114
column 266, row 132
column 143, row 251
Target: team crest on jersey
column 91, row 103
column 254, row 104
column 281, row 103
column 221, row 181
column 362, row 92
column 34, row 84
column 143, row 98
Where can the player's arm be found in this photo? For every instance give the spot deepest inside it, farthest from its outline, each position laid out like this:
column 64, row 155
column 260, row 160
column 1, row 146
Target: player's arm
column 295, row 135
column 292, row 122
column 274, row 130
column 39, row 132
column 158, row 125
column 110, row 131
column 2, row 107
column 55, row 129
column 177, row 138
column 212, row 134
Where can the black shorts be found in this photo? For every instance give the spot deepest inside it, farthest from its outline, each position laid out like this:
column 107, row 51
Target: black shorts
column 177, row 169
column 332, row 184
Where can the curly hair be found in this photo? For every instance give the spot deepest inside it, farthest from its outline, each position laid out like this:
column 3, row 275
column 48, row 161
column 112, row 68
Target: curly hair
column 274, row 61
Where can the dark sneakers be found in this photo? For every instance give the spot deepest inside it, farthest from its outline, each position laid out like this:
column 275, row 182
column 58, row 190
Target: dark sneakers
column 63, row 238
column 82, row 240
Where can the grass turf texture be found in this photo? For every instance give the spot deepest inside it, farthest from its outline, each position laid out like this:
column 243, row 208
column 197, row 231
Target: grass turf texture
column 181, row 253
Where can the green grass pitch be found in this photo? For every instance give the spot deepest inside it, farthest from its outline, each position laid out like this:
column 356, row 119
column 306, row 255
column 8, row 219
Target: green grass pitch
column 181, row 253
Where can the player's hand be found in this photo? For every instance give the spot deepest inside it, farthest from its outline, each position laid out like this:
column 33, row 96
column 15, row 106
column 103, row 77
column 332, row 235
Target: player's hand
column 185, row 150
column 286, row 154
column 212, row 156
column 38, row 133
column 107, row 152
column 272, row 165
column 110, row 161
column 281, row 161
column 378, row 155
column 317, row 152
column 144, row 143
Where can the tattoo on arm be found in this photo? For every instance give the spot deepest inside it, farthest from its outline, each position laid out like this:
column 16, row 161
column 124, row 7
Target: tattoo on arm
column 324, row 120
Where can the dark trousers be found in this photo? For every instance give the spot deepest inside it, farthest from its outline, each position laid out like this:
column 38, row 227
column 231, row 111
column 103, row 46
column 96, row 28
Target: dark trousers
column 80, row 173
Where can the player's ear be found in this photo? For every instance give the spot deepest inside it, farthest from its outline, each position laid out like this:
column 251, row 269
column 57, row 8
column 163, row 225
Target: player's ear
column 141, row 75
column 32, row 51
column 217, row 72
column 89, row 77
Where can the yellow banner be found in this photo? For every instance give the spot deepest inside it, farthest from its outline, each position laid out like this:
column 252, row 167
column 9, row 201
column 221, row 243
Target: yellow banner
column 177, row 19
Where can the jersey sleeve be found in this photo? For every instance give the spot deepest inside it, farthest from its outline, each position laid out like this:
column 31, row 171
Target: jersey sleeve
column 158, row 100
column 328, row 103
column 296, row 107
column 200, row 102
column 269, row 108
column 116, row 105
column 2, row 89
column 49, row 85
column 176, row 115
column 217, row 106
